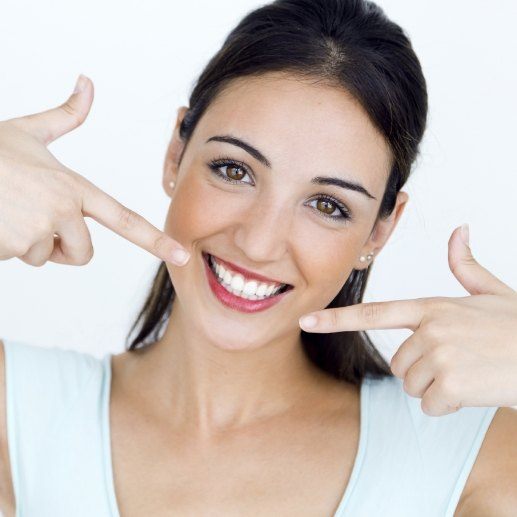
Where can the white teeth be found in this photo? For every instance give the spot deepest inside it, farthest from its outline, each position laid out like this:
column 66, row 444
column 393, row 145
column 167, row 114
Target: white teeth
column 237, row 285
column 250, row 288
column 261, row 290
column 227, row 276
column 237, row 282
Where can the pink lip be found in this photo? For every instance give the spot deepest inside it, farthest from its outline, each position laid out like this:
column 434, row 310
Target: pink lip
column 248, row 275
column 235, row 302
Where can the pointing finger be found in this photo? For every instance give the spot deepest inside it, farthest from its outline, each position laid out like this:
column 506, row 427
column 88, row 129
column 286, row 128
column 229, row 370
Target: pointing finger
column 365, row 316
column 128, row 224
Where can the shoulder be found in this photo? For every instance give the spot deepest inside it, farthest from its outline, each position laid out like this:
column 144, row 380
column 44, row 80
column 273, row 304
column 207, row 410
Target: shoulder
column 44, row 381
column 479, row 447
column 36, row 365
column 447, row 446
column 38, row 385
column 490, row 489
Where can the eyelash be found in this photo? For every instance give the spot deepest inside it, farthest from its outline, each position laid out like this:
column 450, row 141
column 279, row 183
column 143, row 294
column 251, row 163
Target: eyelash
column 222, row 161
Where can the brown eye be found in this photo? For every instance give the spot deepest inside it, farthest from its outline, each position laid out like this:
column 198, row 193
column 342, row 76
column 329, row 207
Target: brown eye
column 326, row 206
column 234, row 172
column 230, row 172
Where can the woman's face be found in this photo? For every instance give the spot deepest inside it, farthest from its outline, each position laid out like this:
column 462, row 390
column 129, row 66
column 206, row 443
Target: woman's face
column 274, row 219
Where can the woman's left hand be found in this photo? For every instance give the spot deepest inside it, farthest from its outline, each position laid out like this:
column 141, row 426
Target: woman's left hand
column 463, row 351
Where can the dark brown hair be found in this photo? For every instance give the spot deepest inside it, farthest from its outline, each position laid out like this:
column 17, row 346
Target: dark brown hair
column 352, row 45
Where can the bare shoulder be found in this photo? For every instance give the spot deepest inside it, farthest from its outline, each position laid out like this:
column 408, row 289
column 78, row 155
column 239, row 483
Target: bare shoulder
column 490, row 489
column 7, row 501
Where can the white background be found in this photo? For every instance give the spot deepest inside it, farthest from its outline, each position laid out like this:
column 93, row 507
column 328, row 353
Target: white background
column 143, row 58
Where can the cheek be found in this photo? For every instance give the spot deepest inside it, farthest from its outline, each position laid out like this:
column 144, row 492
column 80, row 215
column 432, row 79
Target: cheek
column 329, row 263
column 196, row 211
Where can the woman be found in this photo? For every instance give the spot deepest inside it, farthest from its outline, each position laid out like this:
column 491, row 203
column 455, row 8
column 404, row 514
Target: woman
column 285, row 174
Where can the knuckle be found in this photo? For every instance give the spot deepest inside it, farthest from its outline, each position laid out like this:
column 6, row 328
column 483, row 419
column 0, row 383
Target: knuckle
column 333, row 318
column 74, row 181
column 159, row 243
column 84, row 259
column 433, row 333
column 128, row 219
column 90, row 254
column 64, row 208
column 370, row 311
column 410, row 385
column 38, row 262
column 441, row 304
column 456, row 265
column 436, row 354
column 41, row 227
column 440, row 358
column 447, row 388
column 81, row 254
column 72, row 112
column 74, row 260
column 64, row 183
column 79, row 184
column 427, row 406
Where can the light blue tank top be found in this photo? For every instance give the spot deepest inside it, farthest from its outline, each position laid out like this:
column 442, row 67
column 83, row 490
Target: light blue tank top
column 407, row 464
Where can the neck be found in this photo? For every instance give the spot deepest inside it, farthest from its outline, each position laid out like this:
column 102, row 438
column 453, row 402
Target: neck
column 202, row 387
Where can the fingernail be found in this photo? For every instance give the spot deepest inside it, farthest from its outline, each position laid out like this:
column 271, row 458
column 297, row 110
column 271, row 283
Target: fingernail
column 308, row 321
column 180, row 257
column 80, row 83
column 465, row 233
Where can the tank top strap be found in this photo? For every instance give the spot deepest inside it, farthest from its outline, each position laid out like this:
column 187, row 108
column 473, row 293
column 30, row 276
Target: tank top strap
column 414, row 463
column 449, row 446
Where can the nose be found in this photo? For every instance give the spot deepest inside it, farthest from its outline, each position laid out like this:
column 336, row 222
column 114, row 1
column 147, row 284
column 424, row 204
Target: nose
column 263, row 232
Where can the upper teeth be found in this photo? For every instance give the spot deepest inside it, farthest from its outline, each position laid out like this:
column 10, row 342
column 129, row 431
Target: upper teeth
column 236, row 283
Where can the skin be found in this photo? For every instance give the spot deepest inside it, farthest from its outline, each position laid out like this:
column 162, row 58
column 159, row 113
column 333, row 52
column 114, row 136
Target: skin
column 216, row 367
column 231, row 389
column 219, row 380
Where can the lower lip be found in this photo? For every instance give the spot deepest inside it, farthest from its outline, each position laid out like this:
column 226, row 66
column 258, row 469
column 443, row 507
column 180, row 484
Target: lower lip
column 235, row 302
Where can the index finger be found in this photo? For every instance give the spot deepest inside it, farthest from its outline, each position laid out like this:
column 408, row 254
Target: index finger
column 106, row 210
column 395, row 314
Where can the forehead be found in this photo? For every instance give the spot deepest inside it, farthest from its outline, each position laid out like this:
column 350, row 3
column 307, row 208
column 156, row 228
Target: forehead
column 301, row 123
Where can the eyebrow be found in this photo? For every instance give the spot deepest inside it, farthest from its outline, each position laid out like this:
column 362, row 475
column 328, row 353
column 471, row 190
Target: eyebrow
column 318, row 180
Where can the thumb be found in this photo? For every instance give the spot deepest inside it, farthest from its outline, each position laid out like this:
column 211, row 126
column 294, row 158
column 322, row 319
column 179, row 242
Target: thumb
column 49, row 125
column 472, row 275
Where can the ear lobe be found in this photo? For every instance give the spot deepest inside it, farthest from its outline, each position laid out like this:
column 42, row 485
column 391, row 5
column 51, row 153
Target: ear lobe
column 385, row 227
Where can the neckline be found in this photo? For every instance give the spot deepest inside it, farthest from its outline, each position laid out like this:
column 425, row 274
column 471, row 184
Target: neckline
column 106, row 438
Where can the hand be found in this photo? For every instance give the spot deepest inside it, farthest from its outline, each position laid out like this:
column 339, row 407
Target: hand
column 463, row 351
column 43, row 203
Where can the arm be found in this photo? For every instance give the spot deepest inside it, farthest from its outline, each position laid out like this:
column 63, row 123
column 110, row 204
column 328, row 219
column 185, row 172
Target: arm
column 491, row 489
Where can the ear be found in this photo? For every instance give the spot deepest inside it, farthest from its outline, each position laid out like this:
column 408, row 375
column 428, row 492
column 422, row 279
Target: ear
column 172, row 157
column 382, row 231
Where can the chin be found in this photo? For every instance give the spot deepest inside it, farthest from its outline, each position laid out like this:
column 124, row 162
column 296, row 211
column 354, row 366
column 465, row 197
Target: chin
column 235, row 342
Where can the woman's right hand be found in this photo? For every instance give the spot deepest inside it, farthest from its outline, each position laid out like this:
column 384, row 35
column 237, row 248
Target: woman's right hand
column 43, row 203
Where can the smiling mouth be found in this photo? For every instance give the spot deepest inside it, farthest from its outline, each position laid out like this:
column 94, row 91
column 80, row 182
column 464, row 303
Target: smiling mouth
column 244, row 285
